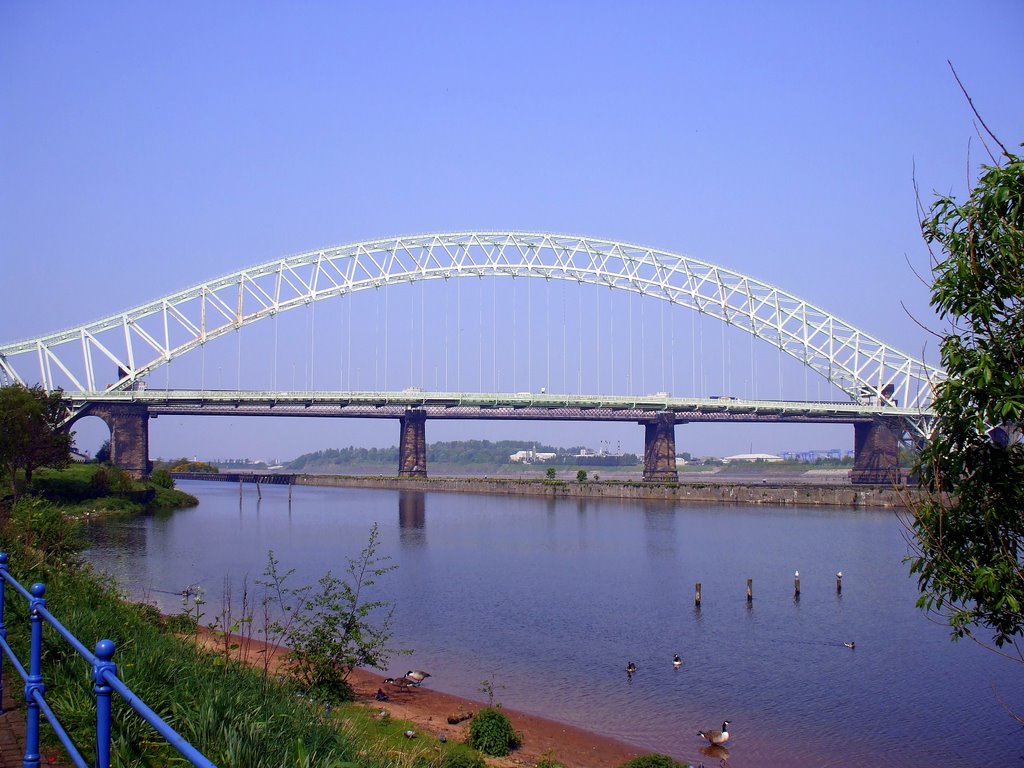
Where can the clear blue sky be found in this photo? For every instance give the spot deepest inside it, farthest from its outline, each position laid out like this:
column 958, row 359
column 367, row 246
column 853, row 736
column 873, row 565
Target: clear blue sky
column 147, row 147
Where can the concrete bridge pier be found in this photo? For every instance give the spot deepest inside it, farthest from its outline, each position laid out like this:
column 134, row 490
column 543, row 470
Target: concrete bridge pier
column 876, row 453
column 660, row 449
column 129, row 436
column 412, row 444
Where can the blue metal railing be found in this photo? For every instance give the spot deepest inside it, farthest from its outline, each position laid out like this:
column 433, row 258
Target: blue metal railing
column 104, row 677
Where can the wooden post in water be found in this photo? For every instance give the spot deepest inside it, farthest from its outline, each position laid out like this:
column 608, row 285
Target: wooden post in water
column 239, row 487
column 258, row 494
column 289, row 491
column 696, row 594
column 796, row 584
column 750, row 590
column 839, row 583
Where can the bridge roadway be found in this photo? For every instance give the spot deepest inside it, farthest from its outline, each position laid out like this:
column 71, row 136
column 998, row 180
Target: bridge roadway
column 878, row 428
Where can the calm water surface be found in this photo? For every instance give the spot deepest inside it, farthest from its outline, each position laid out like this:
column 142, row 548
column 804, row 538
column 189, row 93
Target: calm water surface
column 550, row 599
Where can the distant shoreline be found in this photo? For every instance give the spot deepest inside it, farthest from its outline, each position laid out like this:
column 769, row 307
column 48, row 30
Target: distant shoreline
column 695, row 488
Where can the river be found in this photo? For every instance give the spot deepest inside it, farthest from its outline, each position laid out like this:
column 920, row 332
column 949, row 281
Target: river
column 549, row 599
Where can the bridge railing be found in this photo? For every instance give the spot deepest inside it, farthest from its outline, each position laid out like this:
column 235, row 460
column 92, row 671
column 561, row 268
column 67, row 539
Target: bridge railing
column 104, row 677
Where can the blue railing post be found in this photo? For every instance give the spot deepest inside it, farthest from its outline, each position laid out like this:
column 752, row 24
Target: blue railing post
column 104, row 653
column 3, row 625
column 34, row 682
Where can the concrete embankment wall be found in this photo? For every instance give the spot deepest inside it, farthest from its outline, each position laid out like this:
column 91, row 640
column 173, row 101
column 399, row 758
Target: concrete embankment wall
column 882, row 497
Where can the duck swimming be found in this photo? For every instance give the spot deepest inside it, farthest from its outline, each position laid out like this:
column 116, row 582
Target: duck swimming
column 676, row 661
column 850, row 644
column 630, row 668
column 716, row 737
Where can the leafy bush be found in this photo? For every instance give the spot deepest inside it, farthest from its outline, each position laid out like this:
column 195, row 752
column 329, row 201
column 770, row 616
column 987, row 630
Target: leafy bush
column 654, row 760
column 492, row 733
column 162, row 478
column 581, row 476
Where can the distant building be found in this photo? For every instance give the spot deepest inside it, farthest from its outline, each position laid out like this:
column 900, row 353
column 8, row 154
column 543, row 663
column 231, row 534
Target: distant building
column 751, row 457
column 531, row 456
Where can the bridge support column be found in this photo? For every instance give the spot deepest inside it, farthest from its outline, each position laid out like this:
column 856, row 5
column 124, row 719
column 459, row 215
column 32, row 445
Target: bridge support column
column 129, row 436
column 660, row 449
column 876, row 453
column 412, row 445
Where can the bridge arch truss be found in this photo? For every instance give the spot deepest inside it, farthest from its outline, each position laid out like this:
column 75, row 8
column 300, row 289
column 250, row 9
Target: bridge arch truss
column 141, row 339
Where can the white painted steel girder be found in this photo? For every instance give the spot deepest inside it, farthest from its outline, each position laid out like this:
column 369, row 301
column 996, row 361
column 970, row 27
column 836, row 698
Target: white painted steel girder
column 143, row 338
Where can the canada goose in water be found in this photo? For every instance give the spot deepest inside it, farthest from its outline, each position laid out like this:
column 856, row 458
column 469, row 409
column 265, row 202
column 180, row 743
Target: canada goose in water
column 630, row 668
column 676, row 661
column 417, row 676
column 716, row 737
column 850, row 644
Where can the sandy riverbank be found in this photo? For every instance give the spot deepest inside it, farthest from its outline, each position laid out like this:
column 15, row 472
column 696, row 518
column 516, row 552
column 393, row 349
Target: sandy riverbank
column 428, row 710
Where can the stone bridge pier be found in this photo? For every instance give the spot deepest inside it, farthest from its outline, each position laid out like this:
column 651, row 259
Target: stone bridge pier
column 660, row 449
column 412, row 444
column 129, row 435
column 876, row 453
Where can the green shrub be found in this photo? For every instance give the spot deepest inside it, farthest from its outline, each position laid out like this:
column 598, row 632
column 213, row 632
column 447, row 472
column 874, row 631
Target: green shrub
column 654, row 760
column 43, row 526
column 549, row 762
column 460, row 757
column 492, row 733
column 162, row 479
column 581, row 476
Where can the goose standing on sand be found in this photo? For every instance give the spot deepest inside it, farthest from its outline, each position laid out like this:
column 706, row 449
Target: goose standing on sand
column 676, row 661
column 716, row 737
column 417, row 676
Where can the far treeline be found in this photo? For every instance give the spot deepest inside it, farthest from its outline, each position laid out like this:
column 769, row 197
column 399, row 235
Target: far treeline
column 462, row 452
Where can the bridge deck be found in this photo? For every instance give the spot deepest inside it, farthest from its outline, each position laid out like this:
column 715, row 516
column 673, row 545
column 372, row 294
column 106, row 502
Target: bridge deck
column 451, row 405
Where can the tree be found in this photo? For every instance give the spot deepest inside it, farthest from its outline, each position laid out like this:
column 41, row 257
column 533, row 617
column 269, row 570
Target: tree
column 31, row 435
column 968, row 526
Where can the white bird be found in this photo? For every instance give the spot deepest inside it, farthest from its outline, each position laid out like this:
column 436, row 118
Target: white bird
column 716, row 737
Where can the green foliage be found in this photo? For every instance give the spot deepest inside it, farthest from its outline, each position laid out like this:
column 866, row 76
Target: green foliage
column 581, row 476
column 970, row 526
column 103, row 453
column 549, row 762
column 654, row 760
column 551, row 473
column 162, row 479
column 187, row 465
column 333, row 628
column 42, row 526
column 491, row 732
column 462, row 758
column 30, row 432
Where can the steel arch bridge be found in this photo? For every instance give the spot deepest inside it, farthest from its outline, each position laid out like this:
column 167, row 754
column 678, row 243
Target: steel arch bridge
column 141, row 339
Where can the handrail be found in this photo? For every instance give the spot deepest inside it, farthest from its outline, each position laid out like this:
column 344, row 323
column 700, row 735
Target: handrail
column 104, row 676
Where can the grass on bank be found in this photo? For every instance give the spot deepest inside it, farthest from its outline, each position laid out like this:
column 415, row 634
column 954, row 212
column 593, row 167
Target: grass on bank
column 236, row 715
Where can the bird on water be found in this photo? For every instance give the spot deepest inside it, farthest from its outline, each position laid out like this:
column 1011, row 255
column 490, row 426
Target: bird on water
column 676, row 661
column 630, row 668
column 716, row 737
column 850, row 644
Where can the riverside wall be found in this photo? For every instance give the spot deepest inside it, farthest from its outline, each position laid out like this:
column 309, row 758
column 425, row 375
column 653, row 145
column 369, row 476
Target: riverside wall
column 879, row 497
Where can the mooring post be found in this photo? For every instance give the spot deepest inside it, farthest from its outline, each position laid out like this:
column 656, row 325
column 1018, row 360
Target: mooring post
column 239, row 487
column 34, row 683
column 104, row 653
column 796, row 584
column 750, row 590
column 839, row 583
column 696, row 594
column 259, row 495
